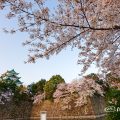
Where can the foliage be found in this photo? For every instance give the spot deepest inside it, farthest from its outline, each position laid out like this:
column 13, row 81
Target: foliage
column 51, row 86
column 77, row 92
column 8, row 85
column 90, row 25
column 97, row 79
column 113, row 99
column 9, row 80
column 113, row 81
column 92, row 76
column 11, row 88
column 5, row 85
column 39, row 98
column 21, row 94
column 36, row 88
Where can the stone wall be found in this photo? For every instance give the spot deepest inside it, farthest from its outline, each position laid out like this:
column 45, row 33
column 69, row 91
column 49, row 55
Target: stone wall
column 27, row 110
column 14, row 110
column 95, row 106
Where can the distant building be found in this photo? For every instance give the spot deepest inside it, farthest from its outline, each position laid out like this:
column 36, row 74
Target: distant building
column 8, row 77
column 11, row 75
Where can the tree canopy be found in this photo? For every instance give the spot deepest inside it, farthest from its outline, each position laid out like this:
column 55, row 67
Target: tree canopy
column 37, row 87
column 93, row 26
column 51, row 86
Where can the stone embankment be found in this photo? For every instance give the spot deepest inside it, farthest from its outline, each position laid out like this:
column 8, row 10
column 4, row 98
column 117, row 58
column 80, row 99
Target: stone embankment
column 94, row 110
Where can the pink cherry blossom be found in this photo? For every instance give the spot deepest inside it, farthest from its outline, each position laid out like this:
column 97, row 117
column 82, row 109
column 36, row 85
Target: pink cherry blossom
column 92, row 26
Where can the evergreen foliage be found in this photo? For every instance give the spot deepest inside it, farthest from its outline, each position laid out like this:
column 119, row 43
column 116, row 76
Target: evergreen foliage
column 37, row 87
column 113, row 97
column 113, row 100
column 51, row 86
column 11, row 88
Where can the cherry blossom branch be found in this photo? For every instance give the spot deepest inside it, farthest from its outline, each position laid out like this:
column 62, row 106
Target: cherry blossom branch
column 64, row 26
column 84, row 13
column 64, row 43
column 115, row 27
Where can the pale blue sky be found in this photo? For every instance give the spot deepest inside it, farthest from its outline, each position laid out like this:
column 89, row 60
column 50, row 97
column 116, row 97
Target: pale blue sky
column 13, row 55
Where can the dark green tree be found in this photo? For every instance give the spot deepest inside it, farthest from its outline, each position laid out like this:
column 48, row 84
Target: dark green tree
column 113, row 97
column 37, row 87
column 113, row 100
column 10, row 80
column 51, row 86
column 9, row 83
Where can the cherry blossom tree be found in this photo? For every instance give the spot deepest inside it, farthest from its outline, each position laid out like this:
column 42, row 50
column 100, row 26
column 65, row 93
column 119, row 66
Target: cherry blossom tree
column 38, row 98
column 93, row 26
column 5, row 96
column 77, row 92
